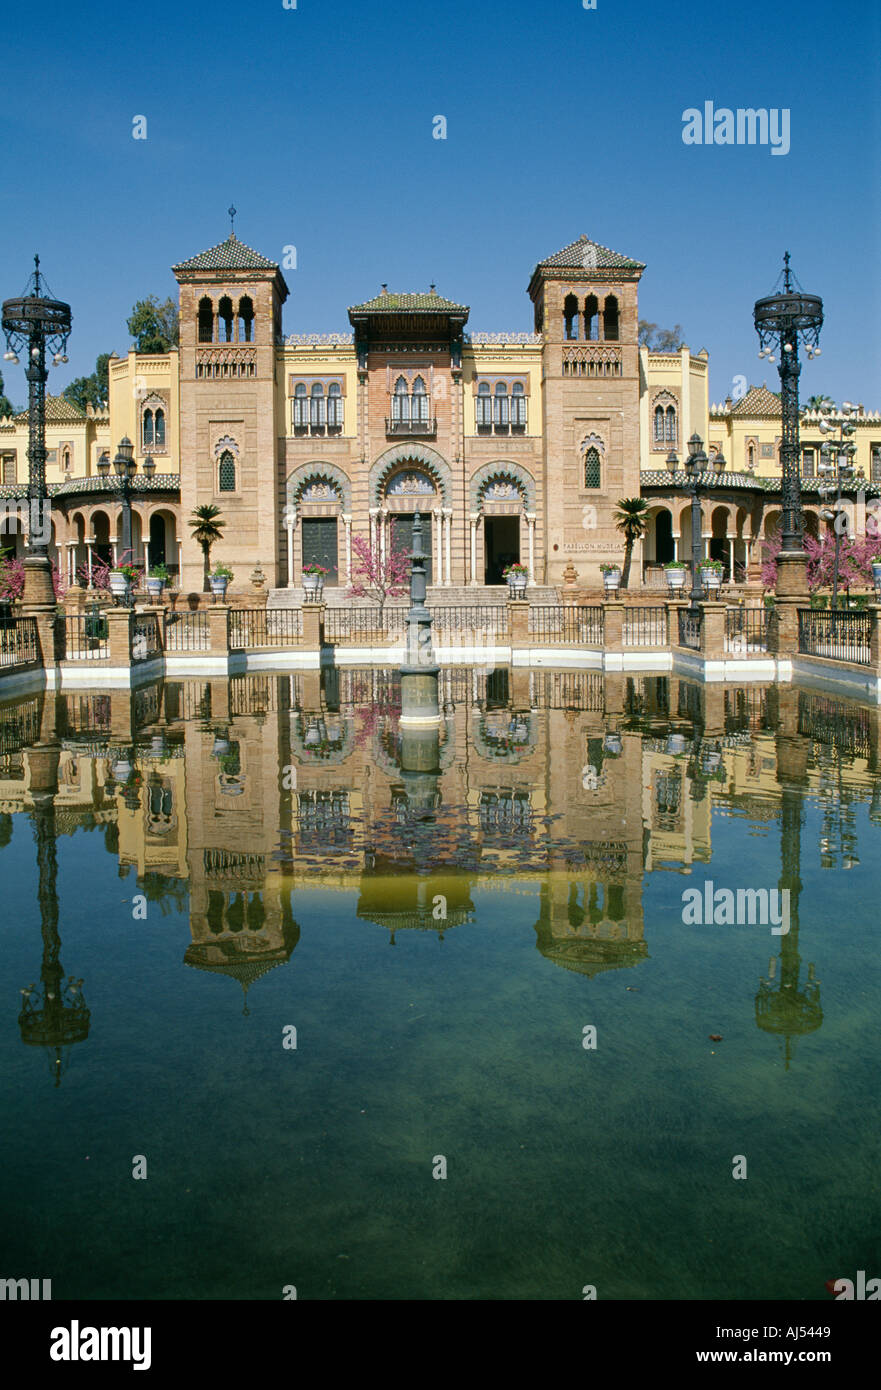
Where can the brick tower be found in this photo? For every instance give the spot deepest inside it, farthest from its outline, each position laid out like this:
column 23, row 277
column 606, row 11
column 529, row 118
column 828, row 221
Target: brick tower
column 585, row 299
column 230, row 323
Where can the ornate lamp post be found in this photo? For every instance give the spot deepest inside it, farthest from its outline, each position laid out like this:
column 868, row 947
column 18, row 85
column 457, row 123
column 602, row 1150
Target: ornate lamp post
column 36, row 324
column 697, row 481
column 782, row 320
column 836, row 468
column 125, row 467
column 419, row 671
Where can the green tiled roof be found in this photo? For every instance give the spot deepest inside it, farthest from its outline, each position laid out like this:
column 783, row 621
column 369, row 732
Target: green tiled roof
column 231, row 254
column 713, row 482
column 160, row 482
column 431, row 303
column 585, row 254
column 59, row 410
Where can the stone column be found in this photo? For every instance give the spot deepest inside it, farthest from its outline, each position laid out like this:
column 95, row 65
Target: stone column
column 475, row 518
column 347, row 523
column 712, row 631
column 373, row 513
column 290, row 521
column 313, row 626
column 383, row 526
column 613, row 626
column 119, row 645
column 146, row 545
column 89, row 545
column 518, row 625
column 530, row 522
column 218, row 629
column 730, row 560
column 448, row 544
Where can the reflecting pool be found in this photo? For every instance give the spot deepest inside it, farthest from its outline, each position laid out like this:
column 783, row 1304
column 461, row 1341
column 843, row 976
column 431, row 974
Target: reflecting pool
column 581, row 989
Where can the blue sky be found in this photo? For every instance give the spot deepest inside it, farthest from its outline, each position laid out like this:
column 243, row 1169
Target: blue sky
column 317, row 123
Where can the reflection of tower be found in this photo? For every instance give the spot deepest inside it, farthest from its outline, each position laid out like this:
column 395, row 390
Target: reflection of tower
column 781, row 1007
column 419, row 672
column 53, row 1015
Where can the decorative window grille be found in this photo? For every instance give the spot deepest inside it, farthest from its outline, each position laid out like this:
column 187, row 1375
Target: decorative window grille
column 484, row 407
column 147, row 429
column 316, row 406
column 500, row 406
column 670, row 436
column 419, row 403
column 160, row 429
column 227, row 472
column 401, row 402
column 301, row 407
column 334, row 407
column 592, row 467
column 875, row 463
column 518, row 407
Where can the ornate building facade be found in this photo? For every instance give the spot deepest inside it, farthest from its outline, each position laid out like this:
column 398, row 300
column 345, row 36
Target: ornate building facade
column 517, row 445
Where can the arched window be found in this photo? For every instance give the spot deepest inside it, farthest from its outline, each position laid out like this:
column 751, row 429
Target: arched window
column 500, row 406
column 570, row 316
column 334, row 407
column 610, row 318
column 670, row 436
column 592, row 467
column 147, row 429
column 160, row 428
column 518, row 407
column 419, row 402
column 484, row 407
column 226, row 472
column 401, row 402
column 65, row 460
column 206, row 320
column 301, row 407
column 246, row 319
column 750, row 455
column 316, row 406
column 659, row 424
column 224, row 313
column 591, row 318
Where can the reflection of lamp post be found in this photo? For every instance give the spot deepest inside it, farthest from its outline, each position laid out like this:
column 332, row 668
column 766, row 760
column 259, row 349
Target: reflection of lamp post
column 53, row 1014
column 37, row 324
column 836, row 466
column 697, row 480
column 782, row 320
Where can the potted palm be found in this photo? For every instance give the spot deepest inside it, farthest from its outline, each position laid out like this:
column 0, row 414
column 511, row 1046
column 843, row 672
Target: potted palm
column 675, row 572
column 221, row 576
column 516, row 575
column 313, row 581
column 157, row 580
column 207, row 526
column 611, row 577
column 711, row 574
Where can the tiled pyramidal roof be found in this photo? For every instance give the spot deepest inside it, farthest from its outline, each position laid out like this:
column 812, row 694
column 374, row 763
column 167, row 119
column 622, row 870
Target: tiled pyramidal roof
column 395, row 303
column 231, row 254
column 585, row 254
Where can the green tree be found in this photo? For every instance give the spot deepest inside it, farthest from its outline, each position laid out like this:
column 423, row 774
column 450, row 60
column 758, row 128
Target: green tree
column 659, row 339
column 630, row 519
column 91, row 390
column 6, row 407
column 207, row 529
column 154, row 326
column 821, row 403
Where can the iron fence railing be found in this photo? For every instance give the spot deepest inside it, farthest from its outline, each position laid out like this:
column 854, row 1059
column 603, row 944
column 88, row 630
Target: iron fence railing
column 486, row 618
column 187, row 632
column 144, row 636
column 566, row 623
column 264, row 627
column 365, row 626
column 645, row 627
column 746, row 630
column 840, row 633
column 578, row 690
column 18, row 642
column 690, row 629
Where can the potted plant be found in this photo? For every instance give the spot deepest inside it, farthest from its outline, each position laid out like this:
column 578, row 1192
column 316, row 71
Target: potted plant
column 516, row 575
column 711, row 574
column 313, row 581
column 122, row 579
column 675, row 572
column 611, row 573
column 220, row 578
column 876, row 572
column 157, row 580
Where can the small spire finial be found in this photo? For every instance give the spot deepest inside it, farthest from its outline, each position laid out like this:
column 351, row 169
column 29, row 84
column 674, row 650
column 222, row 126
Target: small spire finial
column 786, row 272
column 36, row 274
column 232, row 219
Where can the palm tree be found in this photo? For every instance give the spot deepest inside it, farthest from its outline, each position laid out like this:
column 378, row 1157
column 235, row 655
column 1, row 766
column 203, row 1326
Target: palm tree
column 207, row 528
column 822, row 403
column 631, row 519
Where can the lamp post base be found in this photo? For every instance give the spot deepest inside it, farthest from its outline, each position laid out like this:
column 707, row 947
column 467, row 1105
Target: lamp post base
column 39, row 591
column 792, row 575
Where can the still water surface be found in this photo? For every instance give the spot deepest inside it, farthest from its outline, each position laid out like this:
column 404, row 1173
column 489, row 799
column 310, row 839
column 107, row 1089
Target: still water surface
column 193, row 870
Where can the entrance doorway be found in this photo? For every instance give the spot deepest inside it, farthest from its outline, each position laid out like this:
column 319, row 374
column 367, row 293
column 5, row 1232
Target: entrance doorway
column 157, row 540
column 501, row 546
column 320, row 546
column 401, row 536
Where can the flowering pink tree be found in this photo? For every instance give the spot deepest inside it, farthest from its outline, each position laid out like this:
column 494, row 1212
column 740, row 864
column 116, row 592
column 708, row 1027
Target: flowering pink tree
column 855, row 557
column 379, row 577
column 11, row 577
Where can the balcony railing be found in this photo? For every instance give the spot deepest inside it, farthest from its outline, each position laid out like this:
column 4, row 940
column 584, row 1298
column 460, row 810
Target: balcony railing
column 426, row 429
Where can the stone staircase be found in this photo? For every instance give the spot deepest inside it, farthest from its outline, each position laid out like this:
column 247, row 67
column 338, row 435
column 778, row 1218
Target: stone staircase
column 439, row 595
